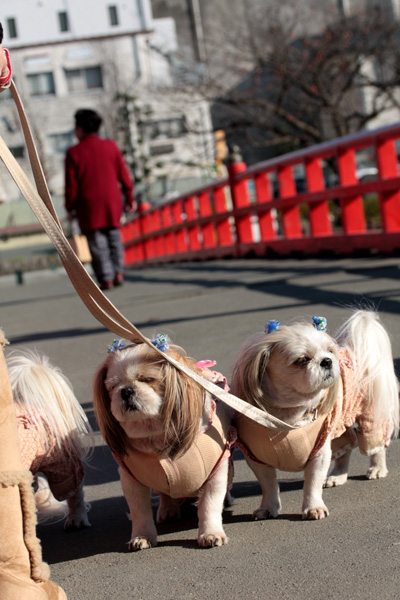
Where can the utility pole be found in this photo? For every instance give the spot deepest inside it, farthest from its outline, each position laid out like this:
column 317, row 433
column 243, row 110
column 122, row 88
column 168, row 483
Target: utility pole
column 197, row 21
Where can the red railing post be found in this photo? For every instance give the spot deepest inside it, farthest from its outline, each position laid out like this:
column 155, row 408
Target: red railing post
column 205, row 210
column 128, row 234
column 266, row 218
column 290, row 216
column 353, row 214
column 320, row 223
column 159, row 246
column 134, row 248
column 193, row 229
column 147, row 224
column 224, row 231
column 180, row 236
column 166, row 220
column 240, row 199
column 389, row 201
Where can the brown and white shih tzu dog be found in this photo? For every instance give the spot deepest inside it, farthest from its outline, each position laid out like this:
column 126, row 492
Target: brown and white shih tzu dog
column 322, row 386
column 54, row 434
column 167, row 434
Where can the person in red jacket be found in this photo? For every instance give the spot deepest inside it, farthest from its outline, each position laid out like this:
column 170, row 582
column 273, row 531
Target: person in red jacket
column 96, row 176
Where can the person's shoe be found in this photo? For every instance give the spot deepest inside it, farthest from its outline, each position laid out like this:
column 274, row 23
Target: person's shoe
column 118, row 279
column 107, row 284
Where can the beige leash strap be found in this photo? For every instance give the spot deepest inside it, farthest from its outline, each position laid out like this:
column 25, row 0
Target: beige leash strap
column 97, row 303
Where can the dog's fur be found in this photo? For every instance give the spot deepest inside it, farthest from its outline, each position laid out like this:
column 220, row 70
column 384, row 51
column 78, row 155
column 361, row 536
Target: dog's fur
column 295, row 370
column 143, row 402
column 57, row 428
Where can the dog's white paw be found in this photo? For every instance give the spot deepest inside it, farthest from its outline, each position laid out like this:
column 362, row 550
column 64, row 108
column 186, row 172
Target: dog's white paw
column 77, row 520
column 376, row 473
column 316, row 513
column 209, row 540
column 262, row 513
column 335, row 480
column 377, row 465
column 140, row 543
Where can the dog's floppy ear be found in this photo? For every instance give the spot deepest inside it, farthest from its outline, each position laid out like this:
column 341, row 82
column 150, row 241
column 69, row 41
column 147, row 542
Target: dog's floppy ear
column 332, row 392
column 111, row 430
column 250, row 367
column 182, row 407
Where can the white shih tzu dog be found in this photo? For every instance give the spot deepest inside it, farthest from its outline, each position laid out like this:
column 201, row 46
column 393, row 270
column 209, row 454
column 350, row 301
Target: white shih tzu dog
column 54, row 434
column 167, row 434
column 323, row 386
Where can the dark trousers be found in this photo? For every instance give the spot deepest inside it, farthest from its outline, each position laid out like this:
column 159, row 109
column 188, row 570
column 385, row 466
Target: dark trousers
column 107, row 253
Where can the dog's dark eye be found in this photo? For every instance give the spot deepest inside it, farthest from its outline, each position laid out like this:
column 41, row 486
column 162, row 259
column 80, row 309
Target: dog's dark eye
column 146, row 379
column 302, row 361
column 110, row 385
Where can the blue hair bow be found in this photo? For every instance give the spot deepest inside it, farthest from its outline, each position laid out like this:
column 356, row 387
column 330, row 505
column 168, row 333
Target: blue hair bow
column 115, row 346
column 319, row 323
column 272, row 326
column 161, row 341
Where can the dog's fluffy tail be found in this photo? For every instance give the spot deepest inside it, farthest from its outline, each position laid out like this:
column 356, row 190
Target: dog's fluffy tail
column 48, row 508
column 368, row 343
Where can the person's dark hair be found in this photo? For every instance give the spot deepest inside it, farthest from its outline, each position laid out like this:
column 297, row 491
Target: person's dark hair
column 88, row 119
column 1, row 33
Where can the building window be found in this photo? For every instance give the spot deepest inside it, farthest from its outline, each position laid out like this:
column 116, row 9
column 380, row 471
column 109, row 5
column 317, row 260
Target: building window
column 63, row 21
column 79, row 80
column 60, row 142
column 41, row 84
column 113, row 15
column 17, row 151
column 161, row 149
column 166, row 128
column 39, row 62
column 12, row 28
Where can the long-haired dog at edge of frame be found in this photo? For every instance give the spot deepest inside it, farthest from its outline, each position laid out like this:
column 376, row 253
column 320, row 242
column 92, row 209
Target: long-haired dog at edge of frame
column 324, row 384
column 167, row 435
column 55, row 436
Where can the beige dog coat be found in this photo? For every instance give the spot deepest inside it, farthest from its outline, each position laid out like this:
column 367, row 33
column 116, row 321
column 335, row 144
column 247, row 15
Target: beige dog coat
column 184, row 476
column 290, row 451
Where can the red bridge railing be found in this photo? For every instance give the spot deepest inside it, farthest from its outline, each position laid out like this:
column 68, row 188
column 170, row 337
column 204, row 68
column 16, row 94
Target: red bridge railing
column 310, row 201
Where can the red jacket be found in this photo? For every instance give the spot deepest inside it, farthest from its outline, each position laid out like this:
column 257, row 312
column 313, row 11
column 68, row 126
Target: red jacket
column 95, row 172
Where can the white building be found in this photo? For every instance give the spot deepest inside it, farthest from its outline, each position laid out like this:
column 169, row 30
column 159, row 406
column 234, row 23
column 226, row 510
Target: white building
column 71, row 54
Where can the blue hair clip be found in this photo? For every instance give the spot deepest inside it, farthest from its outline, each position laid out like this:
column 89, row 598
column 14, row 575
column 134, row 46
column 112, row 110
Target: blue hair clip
column 161, row 341
column 272, row 326
column 319, row 323
column 115, row 346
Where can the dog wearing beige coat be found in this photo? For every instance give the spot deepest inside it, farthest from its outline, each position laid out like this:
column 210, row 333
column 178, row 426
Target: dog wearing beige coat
column 322, row 386
column 167, row 435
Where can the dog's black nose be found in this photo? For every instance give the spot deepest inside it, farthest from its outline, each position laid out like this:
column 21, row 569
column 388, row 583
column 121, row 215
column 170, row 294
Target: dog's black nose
column 128, row 399
column 126, row 394
column 326, row 363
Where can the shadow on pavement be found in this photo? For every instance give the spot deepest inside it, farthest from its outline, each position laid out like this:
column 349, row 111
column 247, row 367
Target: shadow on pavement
column 110, row 528
column 282, row 287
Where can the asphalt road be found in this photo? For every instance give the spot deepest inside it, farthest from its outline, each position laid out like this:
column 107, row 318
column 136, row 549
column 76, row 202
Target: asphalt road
column 210, row 308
